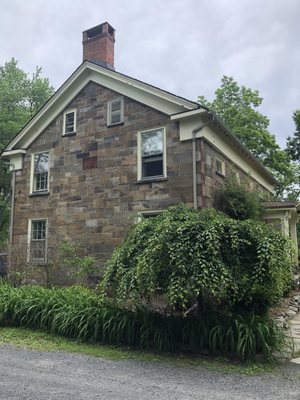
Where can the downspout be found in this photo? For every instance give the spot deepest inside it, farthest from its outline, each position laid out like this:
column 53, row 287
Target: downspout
column 194, row 132
column 13, row 184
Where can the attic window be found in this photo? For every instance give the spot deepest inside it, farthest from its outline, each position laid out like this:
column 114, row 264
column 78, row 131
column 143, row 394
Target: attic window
column 220, row 167
column 69, row 127
column 115, row 112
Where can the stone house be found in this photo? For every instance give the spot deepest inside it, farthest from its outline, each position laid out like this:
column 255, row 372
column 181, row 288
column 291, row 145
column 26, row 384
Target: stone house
column 107, row 148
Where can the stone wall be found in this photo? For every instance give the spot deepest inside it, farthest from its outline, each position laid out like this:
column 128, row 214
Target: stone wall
column 94, row 195
column 210, row 180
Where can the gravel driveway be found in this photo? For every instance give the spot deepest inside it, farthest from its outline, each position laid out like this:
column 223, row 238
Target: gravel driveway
column 34, row 375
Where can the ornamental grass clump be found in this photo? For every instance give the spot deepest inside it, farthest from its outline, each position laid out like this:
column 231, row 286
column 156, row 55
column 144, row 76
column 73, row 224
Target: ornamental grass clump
column 78, row 313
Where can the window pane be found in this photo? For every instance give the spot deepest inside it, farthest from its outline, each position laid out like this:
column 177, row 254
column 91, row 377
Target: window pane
column 38, row 230
column 115, row 118
column 116, row 105
column 41, row 166
column 152, row 143
column 38, row 241
column 69, row 122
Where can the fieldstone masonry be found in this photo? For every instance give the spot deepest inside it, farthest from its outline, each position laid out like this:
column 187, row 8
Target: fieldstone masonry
column 94, row 196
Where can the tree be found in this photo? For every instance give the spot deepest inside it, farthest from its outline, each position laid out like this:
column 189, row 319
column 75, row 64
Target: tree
column 293, row 143
column 20, row 98
column 238, row 106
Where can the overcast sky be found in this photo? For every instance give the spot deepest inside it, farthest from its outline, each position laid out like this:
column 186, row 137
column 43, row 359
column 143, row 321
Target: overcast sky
column 183, row 46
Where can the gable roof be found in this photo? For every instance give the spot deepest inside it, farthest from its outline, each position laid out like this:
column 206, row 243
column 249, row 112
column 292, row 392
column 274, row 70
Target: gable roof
column 176, row 107
column 150, row 95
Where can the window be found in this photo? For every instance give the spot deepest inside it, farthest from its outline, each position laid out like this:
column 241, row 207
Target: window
column 152, row 161
column 40, row 172
column 38, row 241
column 220, row 166
column 115, row 111
column 69, row 122
column 148, row 214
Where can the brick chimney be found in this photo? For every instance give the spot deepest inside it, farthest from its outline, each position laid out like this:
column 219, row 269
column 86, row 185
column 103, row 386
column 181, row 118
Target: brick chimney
column 98, row 45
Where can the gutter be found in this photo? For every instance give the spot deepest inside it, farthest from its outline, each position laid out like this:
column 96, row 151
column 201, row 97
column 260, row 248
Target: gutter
column 194, row 132
column 13, row 185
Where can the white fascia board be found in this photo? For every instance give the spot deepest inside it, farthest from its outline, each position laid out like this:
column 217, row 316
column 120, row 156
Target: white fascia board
column 139, row 91
column 13, row 152
column 51, row 109
column 191, row 113
column 180, row 103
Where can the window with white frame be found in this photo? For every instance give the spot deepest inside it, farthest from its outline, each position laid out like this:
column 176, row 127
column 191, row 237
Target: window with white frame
column 40, row 172
column 152, row 154
column 220, row 166
column 69, row 123
column 38, row 240
column 115, row 111
column 148, row 214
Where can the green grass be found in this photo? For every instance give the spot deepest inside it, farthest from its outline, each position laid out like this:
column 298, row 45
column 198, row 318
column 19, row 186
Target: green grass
column 43, row 341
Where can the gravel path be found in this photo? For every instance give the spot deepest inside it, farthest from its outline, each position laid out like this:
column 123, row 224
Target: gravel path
column 34, row 375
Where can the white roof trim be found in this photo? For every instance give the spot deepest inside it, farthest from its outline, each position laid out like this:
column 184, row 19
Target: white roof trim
column 185, row 114
column 13, row 152
column 139, row 91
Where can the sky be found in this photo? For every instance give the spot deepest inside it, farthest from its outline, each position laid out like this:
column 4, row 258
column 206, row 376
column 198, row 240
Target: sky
column 182, row 46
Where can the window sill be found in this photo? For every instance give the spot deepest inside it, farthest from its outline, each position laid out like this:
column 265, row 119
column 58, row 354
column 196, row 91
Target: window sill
column 116, row 124
column 220, row 174
column 41, row 193
column 68, row 134
column 150, row 180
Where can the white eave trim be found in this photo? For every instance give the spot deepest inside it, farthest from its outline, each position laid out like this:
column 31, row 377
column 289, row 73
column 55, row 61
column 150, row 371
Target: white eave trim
column 191, row 113
column 13, row 152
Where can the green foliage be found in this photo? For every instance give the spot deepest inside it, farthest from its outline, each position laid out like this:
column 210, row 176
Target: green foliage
column 187, row 255
column 238, row 107
column 75, row 265
column 293, row 143
column 235, row 201
column 78, row 313
column 20, row 97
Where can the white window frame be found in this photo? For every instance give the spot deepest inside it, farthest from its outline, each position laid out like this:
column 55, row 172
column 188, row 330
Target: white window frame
column 70, row 111
column 110, row 112
column 29, row 241
column 148, row 213
column 32, row 180
column 139, row 155
column 222, row 172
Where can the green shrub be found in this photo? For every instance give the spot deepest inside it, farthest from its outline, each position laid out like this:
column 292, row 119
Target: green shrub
column 187, row 255
column 237, row 202
column 78, row 313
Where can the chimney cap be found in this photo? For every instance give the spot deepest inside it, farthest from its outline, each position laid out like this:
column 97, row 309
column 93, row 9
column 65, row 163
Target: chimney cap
column 104, row 28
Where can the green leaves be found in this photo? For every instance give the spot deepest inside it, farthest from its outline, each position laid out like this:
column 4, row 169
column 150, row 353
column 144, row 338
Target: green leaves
column 237, row 106
column 185, row 254
column 20, row 98
column 77, row 313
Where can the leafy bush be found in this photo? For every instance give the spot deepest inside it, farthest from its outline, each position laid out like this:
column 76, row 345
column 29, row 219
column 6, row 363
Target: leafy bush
column 234, row 200
column 78, row 313
column 187, row 254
